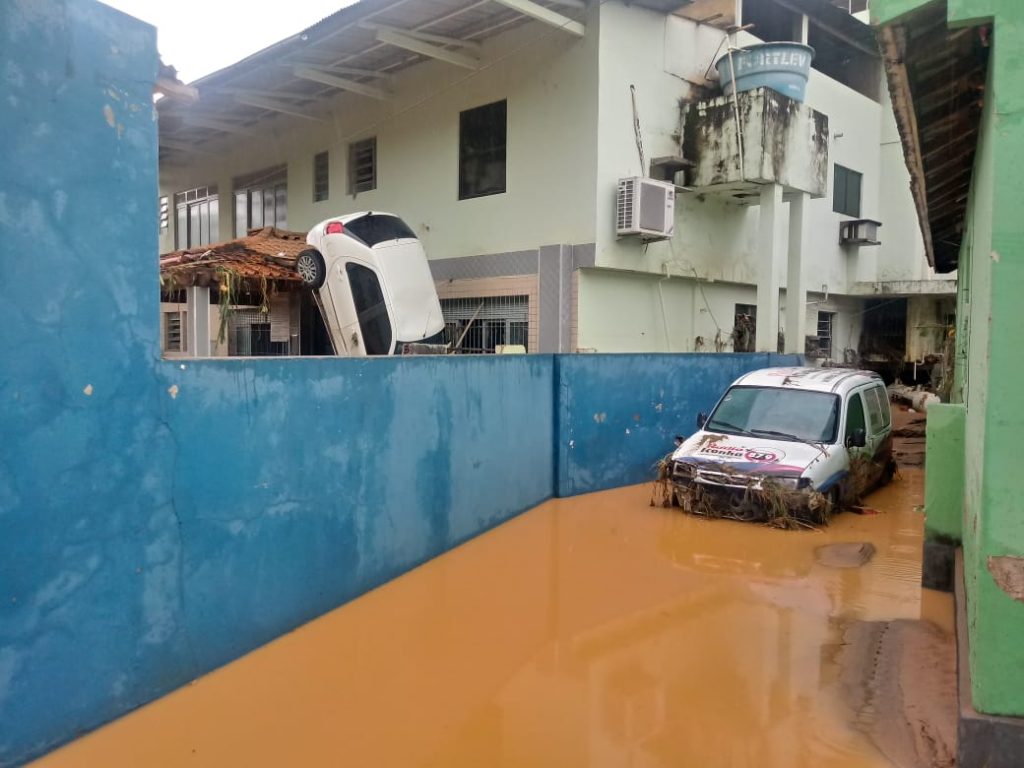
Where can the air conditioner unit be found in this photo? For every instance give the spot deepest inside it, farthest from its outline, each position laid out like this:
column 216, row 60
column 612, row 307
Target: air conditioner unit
column 859, row 232
column 645, row 207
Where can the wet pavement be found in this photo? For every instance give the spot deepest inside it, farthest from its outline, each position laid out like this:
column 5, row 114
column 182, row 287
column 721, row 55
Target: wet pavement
column 593, row 631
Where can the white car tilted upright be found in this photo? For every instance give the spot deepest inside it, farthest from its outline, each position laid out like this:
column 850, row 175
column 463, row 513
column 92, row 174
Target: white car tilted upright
column 373, row 283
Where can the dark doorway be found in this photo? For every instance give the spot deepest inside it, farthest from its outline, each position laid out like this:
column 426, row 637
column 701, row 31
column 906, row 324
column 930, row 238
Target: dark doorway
column 313, row 333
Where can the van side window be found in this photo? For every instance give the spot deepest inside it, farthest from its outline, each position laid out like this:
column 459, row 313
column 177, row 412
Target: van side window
column 874, row 409
column 883, row 401
column 371, row 309
column 854, row 414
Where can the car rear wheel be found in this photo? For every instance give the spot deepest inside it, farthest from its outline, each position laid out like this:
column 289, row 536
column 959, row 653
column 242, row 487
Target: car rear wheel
column 311, row 268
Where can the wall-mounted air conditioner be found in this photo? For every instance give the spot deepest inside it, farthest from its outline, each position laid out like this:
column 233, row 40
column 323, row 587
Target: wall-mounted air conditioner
column 859, row 232
column 646, row 208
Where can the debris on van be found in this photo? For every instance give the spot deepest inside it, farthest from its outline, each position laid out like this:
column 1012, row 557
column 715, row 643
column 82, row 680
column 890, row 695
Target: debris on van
column 789, row 447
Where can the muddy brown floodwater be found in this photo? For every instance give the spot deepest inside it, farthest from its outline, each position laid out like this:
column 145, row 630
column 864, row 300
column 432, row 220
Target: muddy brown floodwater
column 594, row 631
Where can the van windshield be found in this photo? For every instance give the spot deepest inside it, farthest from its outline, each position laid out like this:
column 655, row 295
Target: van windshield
column 772, row 412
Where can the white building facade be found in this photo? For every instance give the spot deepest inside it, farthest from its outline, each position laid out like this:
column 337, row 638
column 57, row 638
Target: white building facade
column 500, row 137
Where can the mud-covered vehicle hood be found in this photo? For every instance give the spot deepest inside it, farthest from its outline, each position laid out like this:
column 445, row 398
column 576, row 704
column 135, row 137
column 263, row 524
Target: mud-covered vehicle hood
column 749, row 455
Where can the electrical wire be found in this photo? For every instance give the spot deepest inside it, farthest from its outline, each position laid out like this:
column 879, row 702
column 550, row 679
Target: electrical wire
column 636, row 131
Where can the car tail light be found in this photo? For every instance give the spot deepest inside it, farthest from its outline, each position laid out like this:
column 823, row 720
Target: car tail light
column 334, row 228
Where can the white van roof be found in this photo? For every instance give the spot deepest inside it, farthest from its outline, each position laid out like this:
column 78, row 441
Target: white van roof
column 835, row 380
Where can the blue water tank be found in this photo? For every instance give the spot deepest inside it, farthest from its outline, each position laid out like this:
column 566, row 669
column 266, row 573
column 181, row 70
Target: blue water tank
column 783, row 67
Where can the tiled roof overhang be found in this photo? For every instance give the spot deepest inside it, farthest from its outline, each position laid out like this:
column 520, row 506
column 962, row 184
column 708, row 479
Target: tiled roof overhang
column 265, row 254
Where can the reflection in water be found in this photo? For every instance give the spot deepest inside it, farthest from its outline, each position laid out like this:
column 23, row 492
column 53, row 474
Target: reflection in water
column 594, row 631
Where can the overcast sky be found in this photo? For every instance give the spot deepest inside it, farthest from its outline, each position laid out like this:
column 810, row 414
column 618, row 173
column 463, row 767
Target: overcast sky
column 201, row 36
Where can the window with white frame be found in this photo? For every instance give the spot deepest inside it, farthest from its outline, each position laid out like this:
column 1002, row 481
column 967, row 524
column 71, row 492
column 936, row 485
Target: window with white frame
column 362, row 166
column 261, row 200
column 165, row 213
column 197, row 217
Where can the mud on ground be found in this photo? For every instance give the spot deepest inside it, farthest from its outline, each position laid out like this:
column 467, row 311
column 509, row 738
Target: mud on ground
column 899, row 677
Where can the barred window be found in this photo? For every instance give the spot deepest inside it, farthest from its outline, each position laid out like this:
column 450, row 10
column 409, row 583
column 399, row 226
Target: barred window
column 321, row 177
column 362, row 166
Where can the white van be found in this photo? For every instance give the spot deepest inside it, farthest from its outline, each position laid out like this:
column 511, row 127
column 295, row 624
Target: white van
column 799, row 429
column 372, row 282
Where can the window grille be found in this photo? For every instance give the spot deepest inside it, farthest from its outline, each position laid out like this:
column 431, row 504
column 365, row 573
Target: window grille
column 174, row 332
column 249, row 334
column 321, row 177
column 362, row 166
column 825, row 333
column 476, row 326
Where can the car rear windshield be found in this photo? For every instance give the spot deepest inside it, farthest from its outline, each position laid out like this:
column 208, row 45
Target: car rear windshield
column 776, row 413
column 376, row 228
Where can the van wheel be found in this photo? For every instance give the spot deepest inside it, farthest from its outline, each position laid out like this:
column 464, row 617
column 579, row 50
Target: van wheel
column 311, row 268
column 835, row 500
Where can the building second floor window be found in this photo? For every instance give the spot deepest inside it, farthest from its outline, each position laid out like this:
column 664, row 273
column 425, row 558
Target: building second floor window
column 197, row 217
column 321, row 177
column 362, row 166
column 846, row 192
column 482, row 142
column 165, row 213
column 261, row 200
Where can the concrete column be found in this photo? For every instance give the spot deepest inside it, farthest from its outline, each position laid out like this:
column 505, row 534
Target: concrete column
column 768, row 262
column 796, row 286
column 197, row 306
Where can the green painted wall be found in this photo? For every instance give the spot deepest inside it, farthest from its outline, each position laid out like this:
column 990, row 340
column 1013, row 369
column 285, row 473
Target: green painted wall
column 996, row 369
column 891, row 11
column 944, row 478
column 991, row 366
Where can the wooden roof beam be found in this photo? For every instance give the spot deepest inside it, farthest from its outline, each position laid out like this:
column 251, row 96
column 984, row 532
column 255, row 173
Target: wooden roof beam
column 417, row 44
column 186, row 147
column 341, row 83
column 223, row 126
column 274, row 104
column 545, row 15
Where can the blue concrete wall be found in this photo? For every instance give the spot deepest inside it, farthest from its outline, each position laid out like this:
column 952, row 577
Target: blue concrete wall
column 158, row 519
column 149, row 537
column 618, row 414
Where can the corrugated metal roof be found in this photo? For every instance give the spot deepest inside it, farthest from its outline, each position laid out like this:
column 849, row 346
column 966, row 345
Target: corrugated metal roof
column 346, row 45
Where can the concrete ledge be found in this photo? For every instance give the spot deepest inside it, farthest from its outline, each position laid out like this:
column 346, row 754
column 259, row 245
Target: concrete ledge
column 937, row 564
column 983, row 741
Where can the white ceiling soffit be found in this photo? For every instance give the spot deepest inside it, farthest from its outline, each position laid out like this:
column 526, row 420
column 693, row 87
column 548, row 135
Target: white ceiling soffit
column 356, row 50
